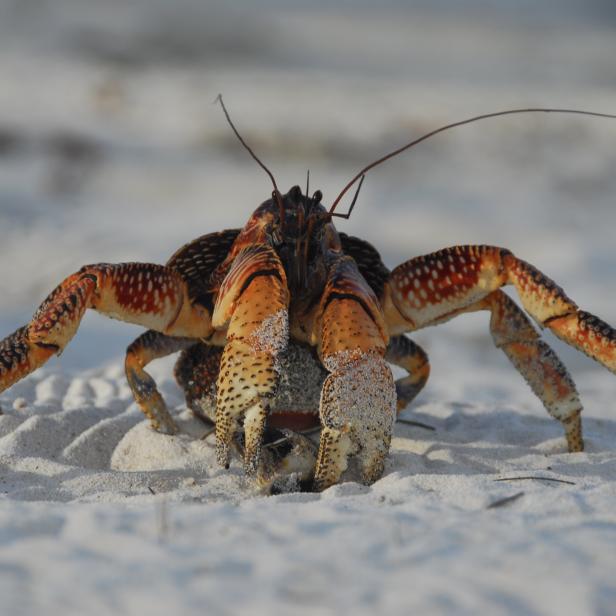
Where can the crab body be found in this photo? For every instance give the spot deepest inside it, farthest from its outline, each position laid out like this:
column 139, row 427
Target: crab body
column 287, row 324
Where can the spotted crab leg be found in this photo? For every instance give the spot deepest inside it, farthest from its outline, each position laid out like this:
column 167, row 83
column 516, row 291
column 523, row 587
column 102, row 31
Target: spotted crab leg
column 546, row 375
column 252, row 304
column 434, row 288
column 358, row 399
column 406, row 354
column 19, row 357
column 146, row 348
column 145, row 294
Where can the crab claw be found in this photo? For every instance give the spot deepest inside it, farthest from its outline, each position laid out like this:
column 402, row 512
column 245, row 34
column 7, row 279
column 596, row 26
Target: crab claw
column 358, row 410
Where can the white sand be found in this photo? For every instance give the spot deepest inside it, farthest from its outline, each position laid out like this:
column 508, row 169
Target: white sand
column 100, row 515
column 81, row 527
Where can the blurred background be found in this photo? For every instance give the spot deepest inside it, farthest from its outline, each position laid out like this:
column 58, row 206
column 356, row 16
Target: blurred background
column 111, row 148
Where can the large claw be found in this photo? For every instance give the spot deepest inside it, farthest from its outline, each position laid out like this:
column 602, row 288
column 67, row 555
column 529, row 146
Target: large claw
column 252, row 305
column 246, row 381
column 358, row 410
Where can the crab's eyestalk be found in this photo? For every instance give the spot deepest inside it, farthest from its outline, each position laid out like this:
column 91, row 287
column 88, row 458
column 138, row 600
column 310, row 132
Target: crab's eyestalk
column 277, row 197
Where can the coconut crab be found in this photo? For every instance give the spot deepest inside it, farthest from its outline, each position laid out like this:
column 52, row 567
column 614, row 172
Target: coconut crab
column 287, row 323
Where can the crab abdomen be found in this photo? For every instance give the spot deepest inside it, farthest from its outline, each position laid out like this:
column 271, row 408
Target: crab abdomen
column 295, row 405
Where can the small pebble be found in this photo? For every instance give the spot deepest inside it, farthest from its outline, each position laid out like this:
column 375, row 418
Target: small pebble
column 20, row 404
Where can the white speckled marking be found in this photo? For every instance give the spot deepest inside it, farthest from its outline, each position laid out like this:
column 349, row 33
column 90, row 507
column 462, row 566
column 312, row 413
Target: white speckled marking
column 272, row 335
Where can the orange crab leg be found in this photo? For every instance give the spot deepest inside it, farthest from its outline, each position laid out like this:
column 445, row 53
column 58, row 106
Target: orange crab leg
column 140, row 293
column 434, row 288
column 431, row 289
column 514, row 334
column 19, row 357
column 406, row 354
column 146, row 348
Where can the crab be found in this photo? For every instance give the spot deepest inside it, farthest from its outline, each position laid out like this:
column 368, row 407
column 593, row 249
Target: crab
column 288, row 324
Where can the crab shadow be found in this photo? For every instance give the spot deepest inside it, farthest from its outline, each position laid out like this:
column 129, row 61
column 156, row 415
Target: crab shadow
column 33, row 486
column 466, row 441
column 469, row 442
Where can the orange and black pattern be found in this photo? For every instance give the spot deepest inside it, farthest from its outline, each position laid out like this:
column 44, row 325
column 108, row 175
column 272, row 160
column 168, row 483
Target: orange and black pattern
column 145, row 294
column 230, row 290
column 434, row 288
column 403, row 352
column 19, row 357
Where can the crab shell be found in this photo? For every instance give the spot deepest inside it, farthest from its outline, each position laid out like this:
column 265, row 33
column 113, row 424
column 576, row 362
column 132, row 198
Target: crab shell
column 291, row 438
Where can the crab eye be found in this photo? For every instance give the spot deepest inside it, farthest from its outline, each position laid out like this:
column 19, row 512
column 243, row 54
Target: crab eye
column 276, row 236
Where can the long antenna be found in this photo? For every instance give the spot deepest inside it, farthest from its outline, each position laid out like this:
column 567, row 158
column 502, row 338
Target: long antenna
column 484, row 116
column 276, row 193
column 348, row 214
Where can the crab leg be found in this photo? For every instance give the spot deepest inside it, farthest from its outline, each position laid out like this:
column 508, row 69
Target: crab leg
column 141, row 293
column 404, row 353
column 434, row 288
column 358, row 399
column 19, row 357
column 252, row 304
column 150, row 346
column 515, row 335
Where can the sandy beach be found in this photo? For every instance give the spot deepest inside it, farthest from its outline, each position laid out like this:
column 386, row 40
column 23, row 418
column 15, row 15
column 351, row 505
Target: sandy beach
column 111, row 151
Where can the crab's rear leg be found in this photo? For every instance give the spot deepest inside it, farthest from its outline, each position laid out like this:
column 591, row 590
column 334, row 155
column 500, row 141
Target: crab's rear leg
column 431, row 289
column 145, row 294
column 252, row 304
column 546, row 375
column 406, row 354
column 146, row 348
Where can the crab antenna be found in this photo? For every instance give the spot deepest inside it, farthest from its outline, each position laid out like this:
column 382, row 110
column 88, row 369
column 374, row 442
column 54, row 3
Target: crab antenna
column 441, row 129
column 348, row 214
column 276, row 192
column 307, row 182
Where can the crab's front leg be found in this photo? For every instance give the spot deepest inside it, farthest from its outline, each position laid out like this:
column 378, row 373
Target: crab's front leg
column 358, row 400
column 252, row 304
column 142, row 293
